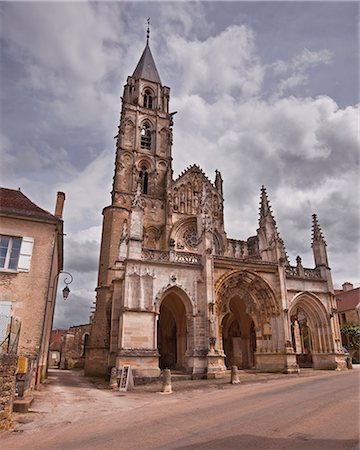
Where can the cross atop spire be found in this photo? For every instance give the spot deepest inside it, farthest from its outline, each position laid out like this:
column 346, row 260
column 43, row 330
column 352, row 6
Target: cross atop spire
column 148, row 31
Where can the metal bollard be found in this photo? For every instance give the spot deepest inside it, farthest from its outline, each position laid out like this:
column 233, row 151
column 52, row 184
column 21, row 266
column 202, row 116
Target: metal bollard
column 234, row 375
column 166, row 389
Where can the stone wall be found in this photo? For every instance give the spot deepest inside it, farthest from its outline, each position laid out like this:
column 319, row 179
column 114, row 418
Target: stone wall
column 74, row 347
column 32, row 293
column 8, row 364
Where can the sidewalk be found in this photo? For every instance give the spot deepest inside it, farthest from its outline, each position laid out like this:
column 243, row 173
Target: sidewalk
column 246, row 377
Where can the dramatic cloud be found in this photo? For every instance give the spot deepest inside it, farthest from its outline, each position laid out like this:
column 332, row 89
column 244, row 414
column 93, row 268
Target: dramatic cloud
column 264, row 107
column 199, row 63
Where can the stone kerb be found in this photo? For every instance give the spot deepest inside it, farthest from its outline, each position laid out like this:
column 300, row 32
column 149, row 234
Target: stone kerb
column 8, row 364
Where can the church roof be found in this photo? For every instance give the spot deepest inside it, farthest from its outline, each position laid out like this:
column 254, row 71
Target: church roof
column 146, row 68
column 194, row 168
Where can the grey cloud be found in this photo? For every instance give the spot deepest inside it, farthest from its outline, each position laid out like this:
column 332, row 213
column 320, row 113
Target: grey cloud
column 82, row 256
column 62, row 80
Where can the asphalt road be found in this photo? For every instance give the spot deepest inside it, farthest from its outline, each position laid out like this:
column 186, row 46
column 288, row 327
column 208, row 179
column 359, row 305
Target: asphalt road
column 316, row 412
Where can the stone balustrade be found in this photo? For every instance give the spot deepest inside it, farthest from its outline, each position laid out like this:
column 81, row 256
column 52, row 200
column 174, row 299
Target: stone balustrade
column 294, row 271
column 163, row 256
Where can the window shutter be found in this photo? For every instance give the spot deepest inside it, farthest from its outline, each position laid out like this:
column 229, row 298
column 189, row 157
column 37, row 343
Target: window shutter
column 25, row 254
column 5, row 313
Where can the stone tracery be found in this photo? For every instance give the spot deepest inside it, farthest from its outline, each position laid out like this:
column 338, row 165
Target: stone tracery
column 259, row 298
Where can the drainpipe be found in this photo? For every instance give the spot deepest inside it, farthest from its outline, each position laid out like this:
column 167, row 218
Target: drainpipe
column 38, row 374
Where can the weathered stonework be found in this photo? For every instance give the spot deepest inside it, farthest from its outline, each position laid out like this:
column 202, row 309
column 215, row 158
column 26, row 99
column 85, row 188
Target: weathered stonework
column 74, row 347
column 8, row 364
column 173, row 290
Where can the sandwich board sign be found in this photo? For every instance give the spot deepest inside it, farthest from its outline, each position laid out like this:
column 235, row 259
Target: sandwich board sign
column 126, row 380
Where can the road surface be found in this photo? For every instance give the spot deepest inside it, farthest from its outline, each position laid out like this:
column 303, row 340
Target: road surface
column 315, row 412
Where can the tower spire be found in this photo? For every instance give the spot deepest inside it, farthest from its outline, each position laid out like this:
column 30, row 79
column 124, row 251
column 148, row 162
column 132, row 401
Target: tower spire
column 265, row 210
column 317, row 235
column 271, row 245
column 146, row 68
column 318, row 244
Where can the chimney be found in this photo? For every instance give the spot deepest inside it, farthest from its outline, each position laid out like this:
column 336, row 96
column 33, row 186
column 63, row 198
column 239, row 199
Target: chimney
column 59, row 204
column 347, row 286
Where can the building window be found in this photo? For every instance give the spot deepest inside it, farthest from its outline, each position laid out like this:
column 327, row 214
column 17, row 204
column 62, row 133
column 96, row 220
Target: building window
column 146, row 137
column 15, row 253
column 144, row 178
column 9, row 252
column 148, row 99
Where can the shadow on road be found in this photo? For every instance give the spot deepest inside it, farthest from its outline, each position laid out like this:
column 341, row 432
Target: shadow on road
column 298, row 441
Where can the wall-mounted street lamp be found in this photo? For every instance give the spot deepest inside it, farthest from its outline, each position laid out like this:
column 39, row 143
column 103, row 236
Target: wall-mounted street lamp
column 67, row 281
column 66, row 292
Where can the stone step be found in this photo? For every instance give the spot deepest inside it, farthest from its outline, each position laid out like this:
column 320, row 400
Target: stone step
column 180, row 376
column 22, row 405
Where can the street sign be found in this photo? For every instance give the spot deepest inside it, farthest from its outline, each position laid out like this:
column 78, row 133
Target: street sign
column 126, row 378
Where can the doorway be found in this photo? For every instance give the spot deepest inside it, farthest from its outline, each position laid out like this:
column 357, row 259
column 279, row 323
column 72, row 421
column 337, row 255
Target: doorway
column 172, row 340
column 301, row 339
column 239, row 338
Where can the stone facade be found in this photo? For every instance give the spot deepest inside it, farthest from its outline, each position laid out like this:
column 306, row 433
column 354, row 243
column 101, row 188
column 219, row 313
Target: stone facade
column 28, row 275
column 348, row 303
column 173, row 290
column 74, row 345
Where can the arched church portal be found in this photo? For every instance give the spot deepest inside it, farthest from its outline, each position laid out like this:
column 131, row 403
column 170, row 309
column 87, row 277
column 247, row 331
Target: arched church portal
column 310, row 330
column 247, row 310
column 172, row 332
column 238, row 334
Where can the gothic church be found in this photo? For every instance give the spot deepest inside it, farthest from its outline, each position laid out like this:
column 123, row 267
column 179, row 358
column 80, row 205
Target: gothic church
column 173, row 290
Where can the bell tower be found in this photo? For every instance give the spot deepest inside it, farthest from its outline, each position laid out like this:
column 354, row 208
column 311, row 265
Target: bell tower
column 143, row 148
column 142, row 171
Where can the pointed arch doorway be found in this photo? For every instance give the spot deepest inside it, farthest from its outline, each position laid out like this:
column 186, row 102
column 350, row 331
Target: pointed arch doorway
column 301, row 339
column 311, row 332
column 172, row 333
column 239, row 337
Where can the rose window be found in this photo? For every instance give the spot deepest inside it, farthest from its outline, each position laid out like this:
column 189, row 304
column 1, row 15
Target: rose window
column 191, row 238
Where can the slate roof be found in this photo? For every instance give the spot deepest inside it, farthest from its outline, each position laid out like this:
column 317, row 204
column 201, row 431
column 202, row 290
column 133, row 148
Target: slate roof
column 146, row 68
column 14, row 202
column 347, row 300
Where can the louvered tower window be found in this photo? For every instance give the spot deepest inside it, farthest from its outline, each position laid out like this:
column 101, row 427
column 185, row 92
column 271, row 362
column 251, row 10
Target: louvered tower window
column 148, row 99
column 146, row 137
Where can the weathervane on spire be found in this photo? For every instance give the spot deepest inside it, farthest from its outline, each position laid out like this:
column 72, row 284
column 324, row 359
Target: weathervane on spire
column 148, row 30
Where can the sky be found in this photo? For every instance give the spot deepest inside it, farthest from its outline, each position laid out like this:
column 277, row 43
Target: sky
column 265, row 92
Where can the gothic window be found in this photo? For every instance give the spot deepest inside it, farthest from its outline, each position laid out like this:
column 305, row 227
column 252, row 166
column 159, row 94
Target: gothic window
column 148, row 99
column 217, row 243
column 144, row 179
column 145, row 137
column 191, row 238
